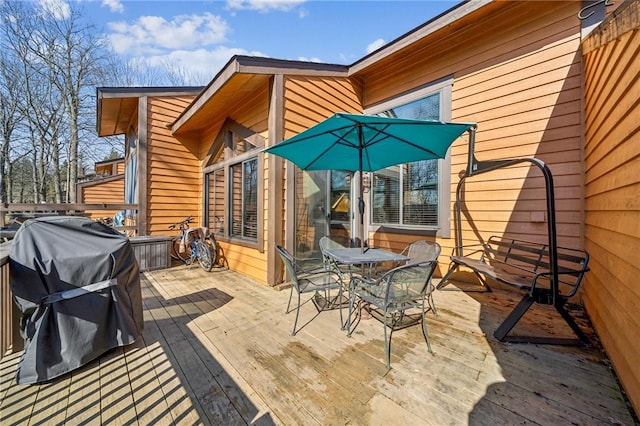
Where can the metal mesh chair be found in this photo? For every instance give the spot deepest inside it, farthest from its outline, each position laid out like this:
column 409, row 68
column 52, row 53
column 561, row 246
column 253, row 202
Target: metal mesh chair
column 397, row 299
column 325, row 243
column 422, row 251
column 318, row 282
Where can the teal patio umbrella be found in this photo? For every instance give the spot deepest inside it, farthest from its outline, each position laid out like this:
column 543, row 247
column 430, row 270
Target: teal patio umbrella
column 365, row 143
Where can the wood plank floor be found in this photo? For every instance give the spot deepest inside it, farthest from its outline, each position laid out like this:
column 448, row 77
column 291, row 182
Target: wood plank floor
column 217, row 350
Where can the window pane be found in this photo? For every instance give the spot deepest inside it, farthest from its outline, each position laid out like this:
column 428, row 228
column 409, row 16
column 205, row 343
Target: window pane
column 422, row 109
column 420, row 193
column 215, row 201
column 417, row 202
column 236, row 200
column 386, row 196
column 250, row 200
column 244, row 199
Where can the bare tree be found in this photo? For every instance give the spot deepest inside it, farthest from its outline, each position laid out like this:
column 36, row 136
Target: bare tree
column 74, row 54
column 57, row 47
column 50, row 65
column 10, row 116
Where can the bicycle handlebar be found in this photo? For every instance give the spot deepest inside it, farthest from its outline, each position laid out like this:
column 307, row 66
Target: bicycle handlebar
column 182, row 223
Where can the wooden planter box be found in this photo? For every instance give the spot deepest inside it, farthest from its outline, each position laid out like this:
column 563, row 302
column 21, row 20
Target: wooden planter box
column 152, row 252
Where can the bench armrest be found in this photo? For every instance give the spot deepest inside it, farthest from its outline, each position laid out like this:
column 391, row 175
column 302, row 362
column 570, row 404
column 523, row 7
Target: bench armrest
column 574, row 287
column 477, row 249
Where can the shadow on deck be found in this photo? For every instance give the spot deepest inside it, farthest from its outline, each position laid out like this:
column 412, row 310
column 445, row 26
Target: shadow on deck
column 217, row 349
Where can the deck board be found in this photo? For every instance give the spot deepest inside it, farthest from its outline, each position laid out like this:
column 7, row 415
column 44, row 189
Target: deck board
column 217, row 349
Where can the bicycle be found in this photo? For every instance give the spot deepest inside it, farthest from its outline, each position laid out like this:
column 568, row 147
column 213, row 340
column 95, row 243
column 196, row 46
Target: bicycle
column 190, row 246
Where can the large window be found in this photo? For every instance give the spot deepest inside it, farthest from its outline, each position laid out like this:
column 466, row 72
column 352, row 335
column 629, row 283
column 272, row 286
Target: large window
column 216, row 190
column 233, row 184
column 244, row 199
column 412, row 195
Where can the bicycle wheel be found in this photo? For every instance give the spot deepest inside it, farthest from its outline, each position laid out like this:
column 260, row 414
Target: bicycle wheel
column 175, row 250
column 204, row 255
column 213, row 246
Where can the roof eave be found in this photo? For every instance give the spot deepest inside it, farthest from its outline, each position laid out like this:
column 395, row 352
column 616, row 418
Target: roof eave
column 258, row 66
column 135, row 92
column 441, row 21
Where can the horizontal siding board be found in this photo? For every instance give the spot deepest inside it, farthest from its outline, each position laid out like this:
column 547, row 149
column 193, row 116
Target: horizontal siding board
column 618, row 81
column 518, row 68
column 612, row 228
column 525, row 80
column 506, row 35
column 623, row 133
column 523, row 205
column 520, row 101
column 309, row 100
column 617, row 199
column 111, row 191
column 626, row 175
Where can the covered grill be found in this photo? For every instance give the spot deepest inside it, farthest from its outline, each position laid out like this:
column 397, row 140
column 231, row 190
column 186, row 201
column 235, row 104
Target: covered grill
column 77, row 284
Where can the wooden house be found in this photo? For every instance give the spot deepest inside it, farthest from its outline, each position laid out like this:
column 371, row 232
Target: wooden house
column 161, row 174
column 104, row 186
column 528, row 73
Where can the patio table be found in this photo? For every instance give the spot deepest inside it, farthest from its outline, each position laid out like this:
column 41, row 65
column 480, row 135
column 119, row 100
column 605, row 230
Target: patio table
column 354, row 256
column 370, row 256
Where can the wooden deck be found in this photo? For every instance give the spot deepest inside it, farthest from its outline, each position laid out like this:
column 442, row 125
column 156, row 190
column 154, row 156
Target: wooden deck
column 217, row 350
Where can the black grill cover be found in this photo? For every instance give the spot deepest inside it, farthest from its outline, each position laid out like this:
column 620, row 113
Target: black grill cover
column 77, row 284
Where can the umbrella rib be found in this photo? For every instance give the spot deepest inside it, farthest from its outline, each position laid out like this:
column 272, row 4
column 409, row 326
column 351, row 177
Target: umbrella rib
column 298, row 138
column 341, row 141
column 383, row 131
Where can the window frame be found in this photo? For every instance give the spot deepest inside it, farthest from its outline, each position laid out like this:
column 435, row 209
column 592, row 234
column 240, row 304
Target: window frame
column 242, row 199
column 228, row 159
column 443, row 229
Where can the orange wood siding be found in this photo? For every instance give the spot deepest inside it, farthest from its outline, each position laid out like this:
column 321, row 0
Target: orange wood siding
column 309, row 100
column 173, row 178
column 111, row 190
column 612, row 161
column 250, row 111
column 517, row 74
column 120, row 167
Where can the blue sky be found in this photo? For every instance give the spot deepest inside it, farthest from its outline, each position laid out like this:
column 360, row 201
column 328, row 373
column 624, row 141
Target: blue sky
column 201, row 36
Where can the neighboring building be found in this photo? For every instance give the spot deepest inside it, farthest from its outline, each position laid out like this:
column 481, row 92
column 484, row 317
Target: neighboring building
column 104, row 186
column 162, row 175
column 515, row 68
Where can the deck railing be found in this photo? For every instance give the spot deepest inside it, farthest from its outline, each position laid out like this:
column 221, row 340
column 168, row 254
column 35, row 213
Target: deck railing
column 9, row 313
column 23, row 211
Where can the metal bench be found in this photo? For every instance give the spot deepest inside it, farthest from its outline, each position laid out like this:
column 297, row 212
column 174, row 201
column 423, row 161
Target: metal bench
column 526, row 265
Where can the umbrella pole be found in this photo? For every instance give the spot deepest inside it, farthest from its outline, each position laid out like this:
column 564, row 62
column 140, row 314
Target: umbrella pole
column 361, row 189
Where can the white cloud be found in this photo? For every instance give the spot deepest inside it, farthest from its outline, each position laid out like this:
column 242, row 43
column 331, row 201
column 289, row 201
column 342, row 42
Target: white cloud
column 198, row 62
column 313, row 59
column 59, row 9
column 154, row 34
column 264, row 6
column 114, row 5
column 375, row 45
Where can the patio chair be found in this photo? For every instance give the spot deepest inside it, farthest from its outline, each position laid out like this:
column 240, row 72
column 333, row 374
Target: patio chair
column 320, row 282
column 397, row 299
column 420, row 251
column 325, row 243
